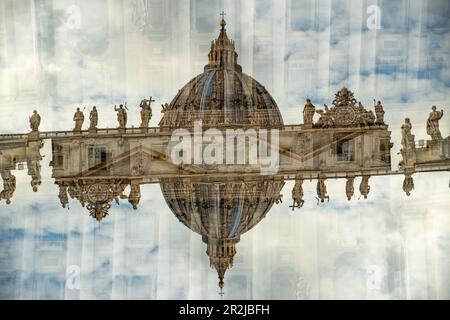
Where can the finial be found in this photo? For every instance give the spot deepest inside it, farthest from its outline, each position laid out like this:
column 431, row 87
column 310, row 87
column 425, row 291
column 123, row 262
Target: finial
column 221, row 284
column 222, row 22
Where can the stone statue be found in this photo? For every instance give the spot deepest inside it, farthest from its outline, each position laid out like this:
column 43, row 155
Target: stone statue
column 93, row 117
column 322, row 190
column 34, row 170
column 63, row 197
column 9, row 186
column 308, row 112
column 146, row 112
column 408, row 184
column 349, row 189
column 135, row 195
column 297, row 194
column 379, row 113
column 121, row 116
column 364, row 187
column 433, row 124
column 35, row 121
column 370, row 117
column 407, row 138
column 78, row 117
column 165, row 121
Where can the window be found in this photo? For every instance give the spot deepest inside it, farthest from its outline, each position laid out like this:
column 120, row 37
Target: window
column 345, row 149
column 97, row 156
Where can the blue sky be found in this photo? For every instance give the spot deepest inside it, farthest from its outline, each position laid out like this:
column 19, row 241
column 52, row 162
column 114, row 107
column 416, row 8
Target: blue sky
column 90, row 52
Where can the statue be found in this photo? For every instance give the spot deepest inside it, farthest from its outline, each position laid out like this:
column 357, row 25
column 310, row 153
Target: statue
column 9, row 186
column 63, row 197
column 35, row 121
column 78, row 117
column 34, row 170
column 364, row 187
column 379, row 113
column 407, row 137
column 146, row 112
column 433, row 124
column 349, row 189
column 135, row 195
column 408, row 184
column 308, row 112
column 322, row 191
column 121, row 116
column 93, row 117
column 165, row 110
column 297, row 194
column 325, row 120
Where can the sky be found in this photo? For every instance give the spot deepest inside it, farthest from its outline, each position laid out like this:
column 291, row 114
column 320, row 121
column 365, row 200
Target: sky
column 59, row 55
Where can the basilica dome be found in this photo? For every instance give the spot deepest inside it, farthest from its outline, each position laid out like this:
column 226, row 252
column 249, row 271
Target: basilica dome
column 221, row 210
column 222, row 95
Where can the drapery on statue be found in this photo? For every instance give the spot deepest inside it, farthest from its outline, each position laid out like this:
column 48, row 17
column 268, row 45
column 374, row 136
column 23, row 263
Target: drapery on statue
column 34, row 170
column 364, row 187
column 308, row 112
column 433, row 124
column 121, row 116
column 78, row 117
column 407, row 138
column 408, row 184
column 93, row 117
column 146, row 112
column 297, row 194
column 62, row 195
column 166, row 114
column 9, row 186
column 35, row 121
column 349, row 189
column 379, row 111
column 322, row 191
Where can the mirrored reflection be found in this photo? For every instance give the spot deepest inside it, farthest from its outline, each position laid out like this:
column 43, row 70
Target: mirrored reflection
column 221, row 156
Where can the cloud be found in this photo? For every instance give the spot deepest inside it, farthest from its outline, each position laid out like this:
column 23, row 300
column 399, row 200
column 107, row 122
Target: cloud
column 374, row 248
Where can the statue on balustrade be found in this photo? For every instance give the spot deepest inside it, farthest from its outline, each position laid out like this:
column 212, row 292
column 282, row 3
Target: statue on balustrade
column 35, row 121
column 121, row 116
column 349, row 189
column 93, row 117
column 78, row 117
column 408, row 184
column 379, row 111
column 433, row 124
column 146, row 112
column 297, row 194
column 34, row 170
column 9, row 186
column 322, row 190
column 364, row 187
column 308, row 112
column 407, row 138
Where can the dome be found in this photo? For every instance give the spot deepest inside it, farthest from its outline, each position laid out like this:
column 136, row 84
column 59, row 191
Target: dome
column 221, row 211
column 222, row 95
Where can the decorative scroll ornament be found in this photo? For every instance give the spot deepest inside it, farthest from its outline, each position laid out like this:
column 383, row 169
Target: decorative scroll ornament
column 96, row 195
column 347, row 112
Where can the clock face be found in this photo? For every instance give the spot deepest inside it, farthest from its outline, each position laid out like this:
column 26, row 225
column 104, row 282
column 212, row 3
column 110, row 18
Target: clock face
column 98, row 192
column 345, row 115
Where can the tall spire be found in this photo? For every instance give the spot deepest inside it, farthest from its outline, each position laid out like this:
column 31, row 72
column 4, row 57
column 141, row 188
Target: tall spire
column 222, row 54
column 221, row 253
column 222, row 22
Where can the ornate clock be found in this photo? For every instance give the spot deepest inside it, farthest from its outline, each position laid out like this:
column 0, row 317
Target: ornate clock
column 98, row 192
column 345, row 115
